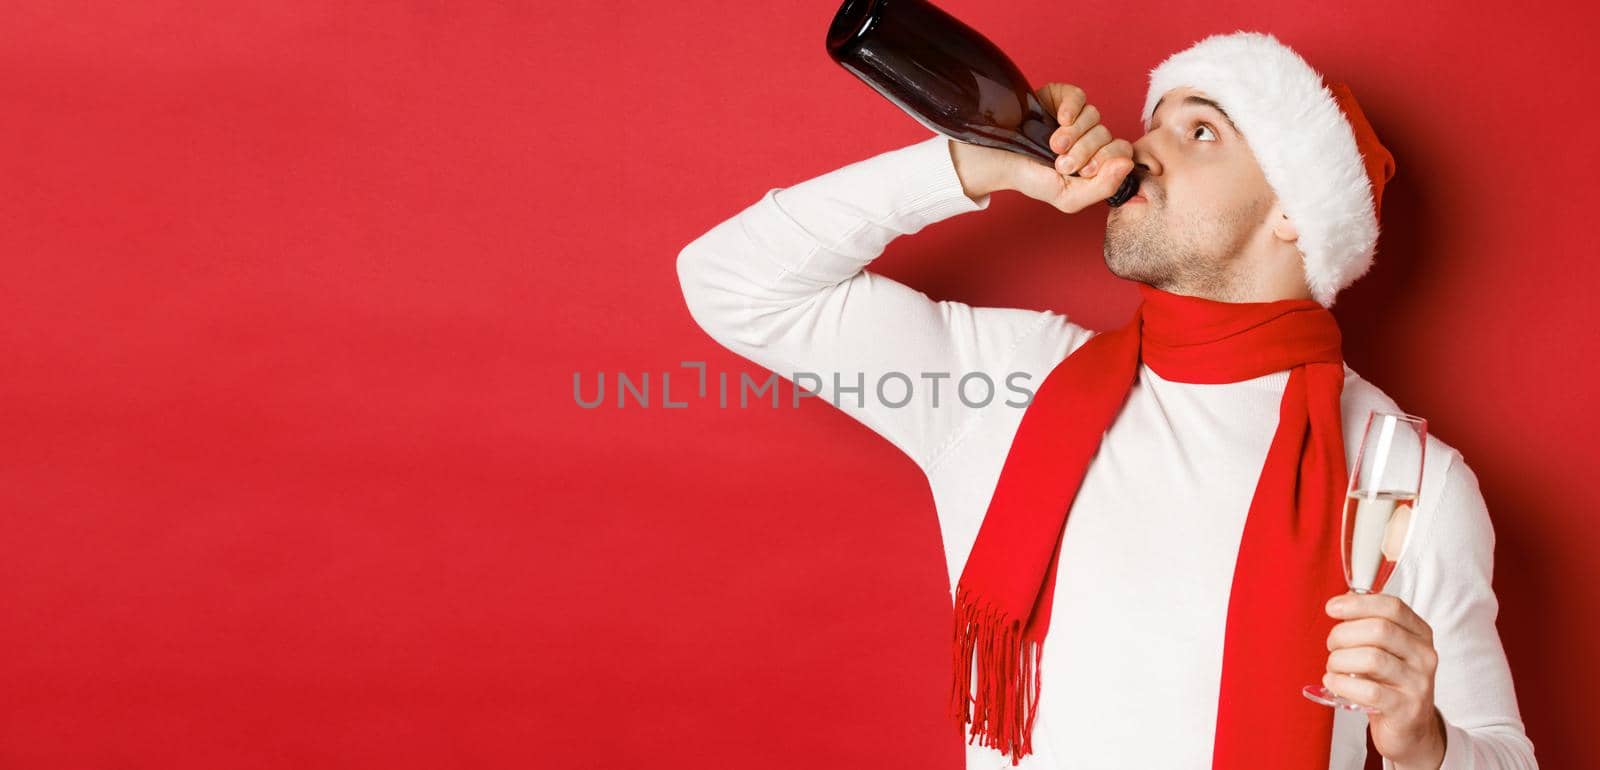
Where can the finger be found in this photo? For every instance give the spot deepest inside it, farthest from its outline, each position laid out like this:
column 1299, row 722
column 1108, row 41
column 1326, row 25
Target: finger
column 1118, row 148
column 1373, row 663
column 1366, row 692
column 1353, row 605
column 1064, row 100
column 1382, row 633
column 1062, row 138
column 1096, row 138
column 1038, row 181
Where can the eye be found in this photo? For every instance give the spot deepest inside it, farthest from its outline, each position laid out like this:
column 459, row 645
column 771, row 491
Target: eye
column 1207, row 128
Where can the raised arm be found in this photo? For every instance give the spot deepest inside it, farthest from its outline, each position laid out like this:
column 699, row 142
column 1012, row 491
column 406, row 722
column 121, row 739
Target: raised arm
column 783, row 284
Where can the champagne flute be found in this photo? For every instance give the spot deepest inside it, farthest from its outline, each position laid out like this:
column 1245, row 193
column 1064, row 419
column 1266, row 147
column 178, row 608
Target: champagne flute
column 1377, row 518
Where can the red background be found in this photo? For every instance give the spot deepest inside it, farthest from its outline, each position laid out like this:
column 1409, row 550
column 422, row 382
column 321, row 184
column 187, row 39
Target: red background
column 292, row 474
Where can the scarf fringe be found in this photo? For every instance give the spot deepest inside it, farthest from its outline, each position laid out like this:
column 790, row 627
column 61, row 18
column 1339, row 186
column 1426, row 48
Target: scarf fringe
column 1007, row 700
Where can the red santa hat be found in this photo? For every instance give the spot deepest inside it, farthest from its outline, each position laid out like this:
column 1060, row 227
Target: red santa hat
column 1309, row 136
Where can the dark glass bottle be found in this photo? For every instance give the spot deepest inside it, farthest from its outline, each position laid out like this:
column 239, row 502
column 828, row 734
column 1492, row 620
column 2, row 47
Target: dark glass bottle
column 948, row 76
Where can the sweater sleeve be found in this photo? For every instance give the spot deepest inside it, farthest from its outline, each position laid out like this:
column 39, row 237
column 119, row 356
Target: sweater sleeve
column 783, row 284
column 1472, row 686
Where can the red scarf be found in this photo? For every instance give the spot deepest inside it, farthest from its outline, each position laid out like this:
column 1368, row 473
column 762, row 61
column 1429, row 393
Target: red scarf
column 1288, row 563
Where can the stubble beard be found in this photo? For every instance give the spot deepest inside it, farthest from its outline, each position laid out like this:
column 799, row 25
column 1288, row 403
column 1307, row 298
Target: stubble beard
column 1188, row 256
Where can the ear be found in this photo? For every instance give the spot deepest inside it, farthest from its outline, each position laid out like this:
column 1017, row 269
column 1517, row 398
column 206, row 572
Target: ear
column 1283, row 229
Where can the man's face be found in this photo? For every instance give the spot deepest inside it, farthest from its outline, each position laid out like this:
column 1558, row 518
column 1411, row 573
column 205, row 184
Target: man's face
column 1205, row 201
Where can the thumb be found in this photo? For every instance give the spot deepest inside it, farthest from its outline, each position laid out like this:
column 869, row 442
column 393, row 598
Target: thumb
column 1038, row 181
column 1083, row 192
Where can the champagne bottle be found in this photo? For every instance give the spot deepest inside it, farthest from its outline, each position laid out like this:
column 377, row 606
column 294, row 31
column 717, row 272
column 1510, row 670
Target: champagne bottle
column 948, row 76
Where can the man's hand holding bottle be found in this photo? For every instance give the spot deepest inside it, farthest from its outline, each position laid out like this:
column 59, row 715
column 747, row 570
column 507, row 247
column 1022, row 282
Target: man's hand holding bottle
column 1082, row 144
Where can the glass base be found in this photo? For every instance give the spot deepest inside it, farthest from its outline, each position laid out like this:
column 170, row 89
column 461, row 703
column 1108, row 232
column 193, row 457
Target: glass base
column 1326, row 697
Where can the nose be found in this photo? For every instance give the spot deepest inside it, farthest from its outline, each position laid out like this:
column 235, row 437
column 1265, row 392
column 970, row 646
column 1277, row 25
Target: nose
column 1145, row 161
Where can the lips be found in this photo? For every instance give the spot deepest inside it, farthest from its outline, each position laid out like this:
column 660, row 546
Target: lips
column 1139, row 185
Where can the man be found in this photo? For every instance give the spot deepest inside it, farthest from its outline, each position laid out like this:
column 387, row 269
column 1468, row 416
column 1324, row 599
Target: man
column 1170, row 491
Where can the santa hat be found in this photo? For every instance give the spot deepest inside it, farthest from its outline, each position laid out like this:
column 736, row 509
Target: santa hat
column 1309, row 136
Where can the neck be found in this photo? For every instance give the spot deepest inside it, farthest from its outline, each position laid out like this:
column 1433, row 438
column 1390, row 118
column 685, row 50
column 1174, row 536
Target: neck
column 1243, row 291
column 1265, row 265
column 1257, row 275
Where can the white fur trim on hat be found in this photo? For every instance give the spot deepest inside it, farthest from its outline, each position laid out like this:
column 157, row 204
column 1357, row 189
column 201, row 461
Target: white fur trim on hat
column 1300, row 138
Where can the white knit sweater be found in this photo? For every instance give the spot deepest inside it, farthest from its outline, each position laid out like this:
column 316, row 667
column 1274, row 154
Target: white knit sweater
column 1132, row 662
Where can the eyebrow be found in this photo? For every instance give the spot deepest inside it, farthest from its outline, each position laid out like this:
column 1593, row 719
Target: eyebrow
column 1203, row 102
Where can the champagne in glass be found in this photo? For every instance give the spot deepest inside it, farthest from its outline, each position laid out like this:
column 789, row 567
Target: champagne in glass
column 1377, row 519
